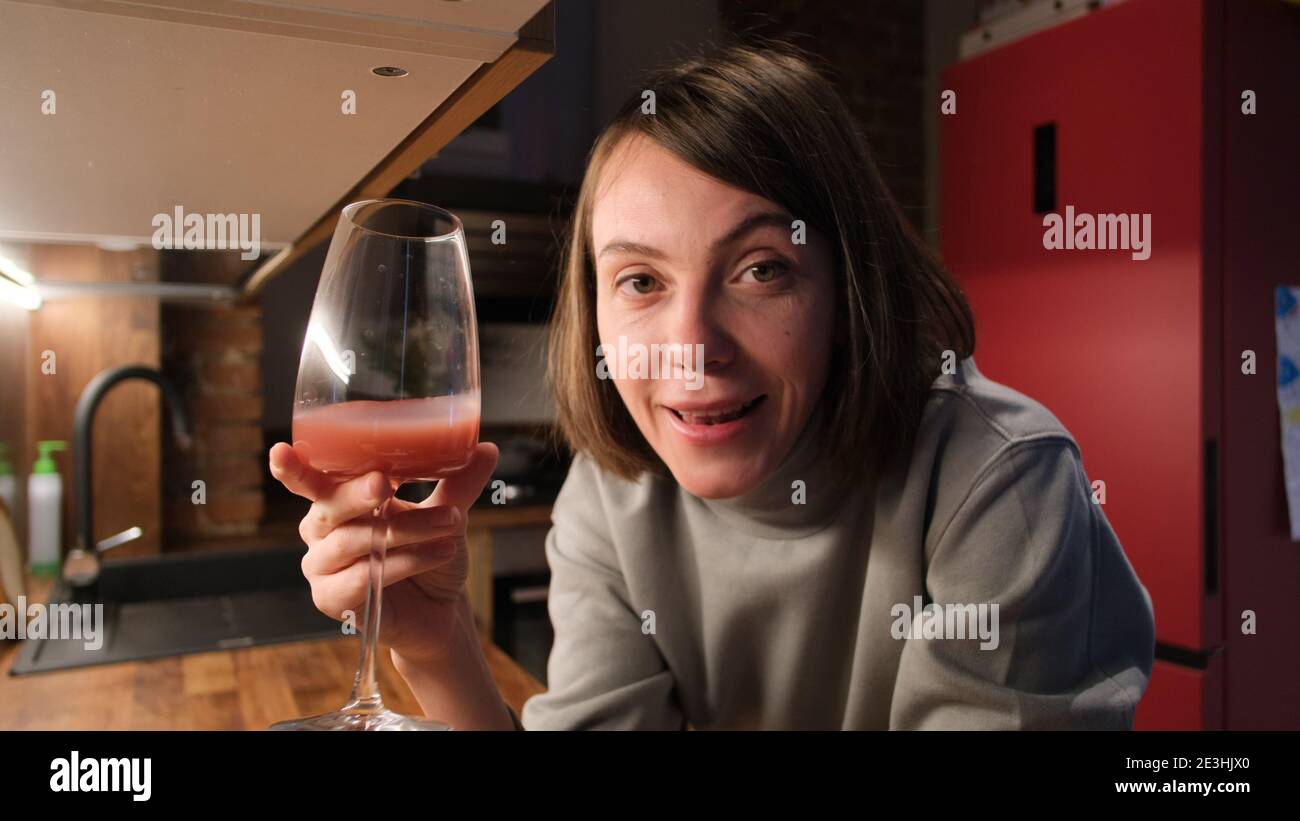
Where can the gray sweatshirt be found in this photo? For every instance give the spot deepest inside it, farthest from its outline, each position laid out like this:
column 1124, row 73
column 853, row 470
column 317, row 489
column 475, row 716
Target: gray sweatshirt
column 977, row 586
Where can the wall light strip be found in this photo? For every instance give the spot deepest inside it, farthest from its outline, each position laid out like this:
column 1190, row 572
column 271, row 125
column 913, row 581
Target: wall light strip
column 18, row 286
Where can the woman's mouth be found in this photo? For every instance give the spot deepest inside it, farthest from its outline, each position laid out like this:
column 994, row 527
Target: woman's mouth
column 714, row 423
column 718, row 415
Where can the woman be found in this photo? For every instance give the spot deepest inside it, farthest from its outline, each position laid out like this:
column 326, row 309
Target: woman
column 828, row 519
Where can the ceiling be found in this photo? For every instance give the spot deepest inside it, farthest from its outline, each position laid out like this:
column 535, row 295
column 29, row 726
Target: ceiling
column 217, row 106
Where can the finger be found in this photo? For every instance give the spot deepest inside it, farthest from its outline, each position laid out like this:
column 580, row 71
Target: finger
column 300, row 479
column 463, row 488
column 352, row 540
column 343, row 503
column 347, row 589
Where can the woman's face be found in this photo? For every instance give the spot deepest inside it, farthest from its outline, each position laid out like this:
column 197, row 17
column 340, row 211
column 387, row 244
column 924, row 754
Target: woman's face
column 685, row 259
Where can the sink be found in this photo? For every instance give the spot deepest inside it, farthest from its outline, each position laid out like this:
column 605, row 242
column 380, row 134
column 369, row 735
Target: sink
column 174, row 605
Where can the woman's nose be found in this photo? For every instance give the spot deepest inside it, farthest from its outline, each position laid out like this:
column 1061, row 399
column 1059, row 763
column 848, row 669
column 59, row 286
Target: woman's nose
column 697, row 320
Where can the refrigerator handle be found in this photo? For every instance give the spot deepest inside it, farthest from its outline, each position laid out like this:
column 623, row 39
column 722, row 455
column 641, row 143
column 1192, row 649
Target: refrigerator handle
column 1045, row 168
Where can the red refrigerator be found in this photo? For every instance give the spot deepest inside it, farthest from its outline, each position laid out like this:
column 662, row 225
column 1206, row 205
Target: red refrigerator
column 1138, row 109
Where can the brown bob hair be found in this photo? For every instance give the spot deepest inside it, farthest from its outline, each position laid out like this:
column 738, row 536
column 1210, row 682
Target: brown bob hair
column 760, row 117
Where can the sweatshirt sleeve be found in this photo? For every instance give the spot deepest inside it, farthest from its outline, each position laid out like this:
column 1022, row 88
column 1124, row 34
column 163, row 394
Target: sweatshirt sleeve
column 1075, row 633
column 602, row 672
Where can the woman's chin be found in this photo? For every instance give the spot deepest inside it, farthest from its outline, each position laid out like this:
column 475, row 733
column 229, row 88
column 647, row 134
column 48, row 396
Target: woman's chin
column 716, row 481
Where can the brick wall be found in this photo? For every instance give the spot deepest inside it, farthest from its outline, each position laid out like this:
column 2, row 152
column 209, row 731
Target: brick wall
column 875, row 49
column 213, row 356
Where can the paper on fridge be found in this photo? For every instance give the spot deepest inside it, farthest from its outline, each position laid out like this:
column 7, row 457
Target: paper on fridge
column 1288, row 395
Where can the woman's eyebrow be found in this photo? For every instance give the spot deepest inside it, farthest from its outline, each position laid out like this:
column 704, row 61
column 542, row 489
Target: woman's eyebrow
column 623, row 246
column 763, row 219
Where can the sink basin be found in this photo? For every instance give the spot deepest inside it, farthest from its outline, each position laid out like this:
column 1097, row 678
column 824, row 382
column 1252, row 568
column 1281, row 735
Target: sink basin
column 174, row 605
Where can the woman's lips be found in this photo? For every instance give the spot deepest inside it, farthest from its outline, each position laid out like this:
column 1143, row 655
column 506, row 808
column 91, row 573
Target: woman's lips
column 714, row 422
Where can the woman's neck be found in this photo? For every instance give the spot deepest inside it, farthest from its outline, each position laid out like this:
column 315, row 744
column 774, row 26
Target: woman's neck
column 797, row 499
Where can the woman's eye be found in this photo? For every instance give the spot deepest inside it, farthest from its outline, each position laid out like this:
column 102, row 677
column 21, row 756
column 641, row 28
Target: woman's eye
column 639, row 283
column 766, row 271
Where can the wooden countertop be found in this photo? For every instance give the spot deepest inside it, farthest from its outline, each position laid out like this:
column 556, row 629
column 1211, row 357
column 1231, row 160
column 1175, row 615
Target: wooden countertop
column 244, row 689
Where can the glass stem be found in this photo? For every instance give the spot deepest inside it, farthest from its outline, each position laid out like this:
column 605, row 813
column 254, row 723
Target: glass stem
column 365, row 692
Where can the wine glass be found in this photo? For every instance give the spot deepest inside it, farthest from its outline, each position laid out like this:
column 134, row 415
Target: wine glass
column 388, row 381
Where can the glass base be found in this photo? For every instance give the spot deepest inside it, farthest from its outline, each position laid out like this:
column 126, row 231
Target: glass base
column 361, row 720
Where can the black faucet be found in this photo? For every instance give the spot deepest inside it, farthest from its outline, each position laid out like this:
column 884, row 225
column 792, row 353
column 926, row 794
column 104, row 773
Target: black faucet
column 83, row 425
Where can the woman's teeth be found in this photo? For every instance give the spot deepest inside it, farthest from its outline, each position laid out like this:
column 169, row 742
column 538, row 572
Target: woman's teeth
column 716, row 417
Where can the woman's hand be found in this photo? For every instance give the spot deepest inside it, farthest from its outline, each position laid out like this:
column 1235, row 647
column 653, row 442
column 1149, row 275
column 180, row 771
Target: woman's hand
column 426, row 563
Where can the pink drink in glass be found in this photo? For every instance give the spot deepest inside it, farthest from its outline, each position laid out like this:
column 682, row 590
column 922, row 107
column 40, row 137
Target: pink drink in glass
column 411, row 440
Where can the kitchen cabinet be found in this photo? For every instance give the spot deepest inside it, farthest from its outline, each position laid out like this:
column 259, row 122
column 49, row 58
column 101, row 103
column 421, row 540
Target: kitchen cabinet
column 478, row 538
column 117, row 111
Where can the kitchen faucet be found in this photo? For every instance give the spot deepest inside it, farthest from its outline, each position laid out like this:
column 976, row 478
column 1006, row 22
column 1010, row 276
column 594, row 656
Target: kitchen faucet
column 83, row 426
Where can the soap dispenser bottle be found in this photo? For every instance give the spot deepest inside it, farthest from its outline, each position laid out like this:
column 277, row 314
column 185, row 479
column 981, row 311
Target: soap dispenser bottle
column 45, row 511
